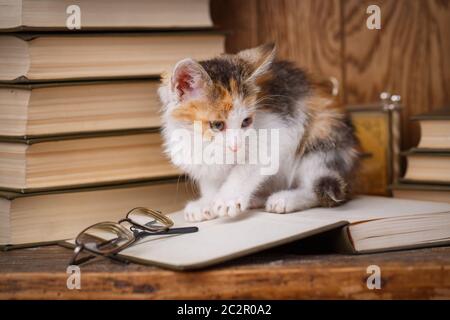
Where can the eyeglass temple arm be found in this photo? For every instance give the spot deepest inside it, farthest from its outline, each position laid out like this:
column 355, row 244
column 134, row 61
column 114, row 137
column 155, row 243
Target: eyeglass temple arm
column 73, row 261
column 142, row 234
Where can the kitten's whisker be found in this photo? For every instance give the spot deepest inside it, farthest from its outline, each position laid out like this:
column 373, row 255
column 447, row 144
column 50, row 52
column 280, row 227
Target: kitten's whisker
column 191, row 185
column 274, row 96
column 178, row 182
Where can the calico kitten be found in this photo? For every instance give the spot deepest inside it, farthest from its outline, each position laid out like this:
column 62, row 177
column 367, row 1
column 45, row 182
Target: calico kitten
column 232, row 94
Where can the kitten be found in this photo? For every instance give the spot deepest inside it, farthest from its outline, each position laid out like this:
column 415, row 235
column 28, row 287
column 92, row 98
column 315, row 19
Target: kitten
column 232, row 94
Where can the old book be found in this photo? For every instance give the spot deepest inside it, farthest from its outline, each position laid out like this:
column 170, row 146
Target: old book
column 50, row 216
column 49, row 57
column 372, row 125
column 104, row 14
column 435, row 129
column 29, row 110
column 426, row 192
column 430, row 165
column 74, row 161
column 377, row 127
column 368, row 224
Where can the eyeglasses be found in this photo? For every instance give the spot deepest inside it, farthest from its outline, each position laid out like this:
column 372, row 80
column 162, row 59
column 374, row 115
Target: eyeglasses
column 109, row 238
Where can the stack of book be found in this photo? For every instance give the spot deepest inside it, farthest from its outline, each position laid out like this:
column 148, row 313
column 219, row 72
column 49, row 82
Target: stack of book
column 428, row 166
column 79, row 122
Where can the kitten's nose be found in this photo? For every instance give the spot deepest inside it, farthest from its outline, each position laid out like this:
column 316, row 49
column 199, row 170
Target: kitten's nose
column 233, row 147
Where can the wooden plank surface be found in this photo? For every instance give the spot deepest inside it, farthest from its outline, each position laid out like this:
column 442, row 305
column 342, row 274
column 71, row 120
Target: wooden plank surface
column 239, row 20
column 307, row 32
column 288, row 272
column 408, row 56
column 292, row 24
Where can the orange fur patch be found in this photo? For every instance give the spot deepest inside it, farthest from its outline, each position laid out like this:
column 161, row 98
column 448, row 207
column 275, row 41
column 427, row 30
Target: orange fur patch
column 213, row 107
column 234, row 88
column 325, row 116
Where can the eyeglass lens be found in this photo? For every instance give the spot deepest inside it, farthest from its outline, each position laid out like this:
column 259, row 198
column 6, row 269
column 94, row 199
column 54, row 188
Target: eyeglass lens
column 104, row 238
column 147, row 220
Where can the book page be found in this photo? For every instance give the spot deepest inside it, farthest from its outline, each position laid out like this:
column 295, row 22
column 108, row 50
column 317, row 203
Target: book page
column 364, row 208
column 223, row 239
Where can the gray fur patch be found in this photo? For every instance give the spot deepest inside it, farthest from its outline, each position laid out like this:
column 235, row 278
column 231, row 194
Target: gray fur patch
column 286, row 85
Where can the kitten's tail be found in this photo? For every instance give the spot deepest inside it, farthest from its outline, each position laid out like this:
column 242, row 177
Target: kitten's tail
column 331, row 191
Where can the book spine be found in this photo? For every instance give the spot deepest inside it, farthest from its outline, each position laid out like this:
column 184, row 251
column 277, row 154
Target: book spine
column 344, row 242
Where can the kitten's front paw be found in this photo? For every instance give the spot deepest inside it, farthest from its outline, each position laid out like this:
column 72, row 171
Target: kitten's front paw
column 198, row 211
column 230, row 207
column 280, row 202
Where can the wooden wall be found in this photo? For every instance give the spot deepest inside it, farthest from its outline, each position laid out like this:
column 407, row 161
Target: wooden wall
column 409, row 56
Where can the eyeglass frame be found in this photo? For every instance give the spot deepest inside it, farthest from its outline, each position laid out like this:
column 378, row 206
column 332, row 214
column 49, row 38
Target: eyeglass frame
column 133, row 233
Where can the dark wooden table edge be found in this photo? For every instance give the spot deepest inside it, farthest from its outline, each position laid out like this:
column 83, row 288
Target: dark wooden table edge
column 413, row 274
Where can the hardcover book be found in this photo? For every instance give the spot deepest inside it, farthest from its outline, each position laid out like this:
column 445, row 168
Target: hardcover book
column 428, row 165
column 48, row 216
column 426, row 192
column 435, row 129
column 376, row 126
column 36, row 110
column 104, row 14
column 59, row 162
column 51, row 57
column 367, row 224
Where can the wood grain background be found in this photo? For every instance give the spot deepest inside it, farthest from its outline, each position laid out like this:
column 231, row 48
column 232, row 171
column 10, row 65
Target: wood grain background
column 408, row 56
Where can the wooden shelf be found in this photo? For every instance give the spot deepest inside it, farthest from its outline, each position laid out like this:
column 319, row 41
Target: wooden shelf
column 288, row 272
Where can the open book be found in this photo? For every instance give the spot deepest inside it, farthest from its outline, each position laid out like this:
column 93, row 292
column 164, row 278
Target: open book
column 368, row 224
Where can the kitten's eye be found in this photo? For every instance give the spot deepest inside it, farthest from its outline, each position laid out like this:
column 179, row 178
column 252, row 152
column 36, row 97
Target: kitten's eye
column 217, row 125
column 246, row 122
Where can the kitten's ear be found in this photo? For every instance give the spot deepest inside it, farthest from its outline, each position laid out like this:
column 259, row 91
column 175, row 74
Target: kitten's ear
column 260, row 58
column 189, row 80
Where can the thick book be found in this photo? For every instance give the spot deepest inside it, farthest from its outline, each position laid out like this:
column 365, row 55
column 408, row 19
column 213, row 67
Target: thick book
column 61, row 108
column 435, row 129
column 426, row 192
column 42, row 217
column 104, row 14
column 366, row 224
column 59, row 162
column 51, row 57
column 373, row 124
column 428, row 166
